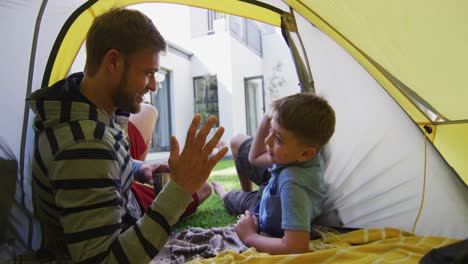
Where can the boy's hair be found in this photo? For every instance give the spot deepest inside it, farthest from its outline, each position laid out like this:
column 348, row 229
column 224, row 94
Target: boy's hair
column 308, row 116
column 125, row 30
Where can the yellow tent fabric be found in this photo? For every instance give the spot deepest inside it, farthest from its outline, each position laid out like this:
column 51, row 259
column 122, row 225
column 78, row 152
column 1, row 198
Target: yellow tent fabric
column 417, row 46
column 388, row 245
column 426, row 52
column 76, row 34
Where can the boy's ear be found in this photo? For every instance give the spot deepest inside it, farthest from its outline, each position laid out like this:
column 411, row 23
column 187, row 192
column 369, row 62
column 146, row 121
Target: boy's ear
column 309, row 152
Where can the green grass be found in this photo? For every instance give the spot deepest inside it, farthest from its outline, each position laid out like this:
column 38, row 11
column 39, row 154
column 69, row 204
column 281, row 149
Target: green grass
column 212, row 212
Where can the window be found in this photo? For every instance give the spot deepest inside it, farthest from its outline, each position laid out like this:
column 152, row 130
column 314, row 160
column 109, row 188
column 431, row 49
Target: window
column 253, row 37
column 206, row 97
column 212, row 16
column 237, row 25
column 247, row 32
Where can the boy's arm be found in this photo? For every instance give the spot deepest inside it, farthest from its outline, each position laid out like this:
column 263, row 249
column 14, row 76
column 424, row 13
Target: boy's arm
column 258, row 155
column 293, row 242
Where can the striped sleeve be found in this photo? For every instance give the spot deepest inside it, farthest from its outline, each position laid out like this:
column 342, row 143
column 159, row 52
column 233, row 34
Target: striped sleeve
column 86, row 184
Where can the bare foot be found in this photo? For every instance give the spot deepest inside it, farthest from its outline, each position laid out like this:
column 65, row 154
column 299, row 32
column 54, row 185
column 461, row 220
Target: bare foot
column 219, row 189
column 220, row 144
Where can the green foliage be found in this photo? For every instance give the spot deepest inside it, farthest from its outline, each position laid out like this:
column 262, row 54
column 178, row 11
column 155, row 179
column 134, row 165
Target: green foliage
column 212, row 212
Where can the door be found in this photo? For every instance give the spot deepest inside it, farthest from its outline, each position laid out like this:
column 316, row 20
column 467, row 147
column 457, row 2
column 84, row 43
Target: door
column 162, row 101
column 254, row 103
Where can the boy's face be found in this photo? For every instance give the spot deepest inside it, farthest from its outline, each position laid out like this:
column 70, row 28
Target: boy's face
column 283, row 146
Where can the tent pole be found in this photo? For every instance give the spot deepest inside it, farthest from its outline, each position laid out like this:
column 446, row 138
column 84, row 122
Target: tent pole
column 288, row 25
column 32, row 60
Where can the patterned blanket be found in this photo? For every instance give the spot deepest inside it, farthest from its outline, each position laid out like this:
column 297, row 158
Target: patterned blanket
column 198, row 243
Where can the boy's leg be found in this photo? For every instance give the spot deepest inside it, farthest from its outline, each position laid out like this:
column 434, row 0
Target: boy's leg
column 247, row 173
column 236, row 202
column 219, row 190
column 236, row 142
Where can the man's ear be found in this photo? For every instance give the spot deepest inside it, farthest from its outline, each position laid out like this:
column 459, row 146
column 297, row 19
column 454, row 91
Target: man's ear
column 112, row 60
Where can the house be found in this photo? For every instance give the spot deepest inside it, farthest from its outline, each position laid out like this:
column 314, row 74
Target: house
column 215, row 64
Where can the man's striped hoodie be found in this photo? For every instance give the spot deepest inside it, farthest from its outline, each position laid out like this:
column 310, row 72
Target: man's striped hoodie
column 81, row 179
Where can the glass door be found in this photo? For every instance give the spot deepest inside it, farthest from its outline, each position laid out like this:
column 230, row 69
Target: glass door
column 162, row 101
column 254, row 103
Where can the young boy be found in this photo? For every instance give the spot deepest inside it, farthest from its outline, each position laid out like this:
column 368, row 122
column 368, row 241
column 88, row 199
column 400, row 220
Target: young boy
column 292, row 189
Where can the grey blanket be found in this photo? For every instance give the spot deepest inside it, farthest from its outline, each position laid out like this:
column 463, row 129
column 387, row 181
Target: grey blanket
column 199, row 243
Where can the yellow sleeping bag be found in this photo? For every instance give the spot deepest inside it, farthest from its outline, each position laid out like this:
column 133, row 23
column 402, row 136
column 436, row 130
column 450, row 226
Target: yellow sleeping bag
column 387, row 245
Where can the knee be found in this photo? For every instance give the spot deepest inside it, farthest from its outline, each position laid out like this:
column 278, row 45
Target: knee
column 236, row 141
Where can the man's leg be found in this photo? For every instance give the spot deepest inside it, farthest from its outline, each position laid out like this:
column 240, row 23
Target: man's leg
column 198, row 198
column 204, row 192
column 244, row 179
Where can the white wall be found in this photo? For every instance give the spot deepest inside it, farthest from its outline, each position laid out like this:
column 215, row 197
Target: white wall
column 245, row 63
column 198, row 22
column 231, row 61
column 217, row 54
column 181, row 92
column 278, row 68
column 212, row 57
column 172, row 21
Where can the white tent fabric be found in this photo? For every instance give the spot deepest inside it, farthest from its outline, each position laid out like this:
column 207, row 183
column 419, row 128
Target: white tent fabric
column 376, row 161
column 380, row 169
column 29, row 30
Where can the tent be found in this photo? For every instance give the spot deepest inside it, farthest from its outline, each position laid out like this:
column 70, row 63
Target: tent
column 393, row 70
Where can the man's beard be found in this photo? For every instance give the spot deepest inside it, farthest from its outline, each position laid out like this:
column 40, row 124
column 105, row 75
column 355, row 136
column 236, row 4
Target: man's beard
column 121, row 99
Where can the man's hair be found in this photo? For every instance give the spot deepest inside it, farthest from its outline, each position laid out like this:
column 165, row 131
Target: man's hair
column 308, row 116
column 127, row 31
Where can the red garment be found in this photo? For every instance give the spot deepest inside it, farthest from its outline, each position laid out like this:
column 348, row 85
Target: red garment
column 138, row 146
column 145, row 194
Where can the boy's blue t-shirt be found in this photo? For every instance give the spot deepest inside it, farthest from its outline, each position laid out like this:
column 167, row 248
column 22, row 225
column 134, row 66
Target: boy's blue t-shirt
column 293, row 197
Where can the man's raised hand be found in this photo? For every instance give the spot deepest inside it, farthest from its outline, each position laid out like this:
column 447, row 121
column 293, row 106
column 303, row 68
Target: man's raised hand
column 190, row 168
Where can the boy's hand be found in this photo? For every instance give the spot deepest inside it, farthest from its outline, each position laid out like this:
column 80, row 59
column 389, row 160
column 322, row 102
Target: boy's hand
column 258, row 155
column 246, row 226
column 191, row 168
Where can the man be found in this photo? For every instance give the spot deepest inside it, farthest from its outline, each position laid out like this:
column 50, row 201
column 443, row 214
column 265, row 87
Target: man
column 82, row 171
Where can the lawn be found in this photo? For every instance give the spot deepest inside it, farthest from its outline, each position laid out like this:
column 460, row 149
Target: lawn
column 212, row 212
